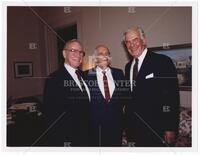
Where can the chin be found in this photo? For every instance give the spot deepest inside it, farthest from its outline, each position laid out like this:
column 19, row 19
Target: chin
column 76, row 65
column 135, row 54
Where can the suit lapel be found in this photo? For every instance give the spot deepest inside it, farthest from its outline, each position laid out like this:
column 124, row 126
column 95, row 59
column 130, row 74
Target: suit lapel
column 67, row 76
column 93, row 76
column 127, row 72
column 115, row 78
column 145, row 66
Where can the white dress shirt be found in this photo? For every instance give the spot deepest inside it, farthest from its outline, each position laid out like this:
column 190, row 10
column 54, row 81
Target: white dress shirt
column 141, row 59
column 111, row 82
column 71, row 71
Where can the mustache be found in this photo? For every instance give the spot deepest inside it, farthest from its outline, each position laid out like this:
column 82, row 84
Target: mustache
column 103, row 57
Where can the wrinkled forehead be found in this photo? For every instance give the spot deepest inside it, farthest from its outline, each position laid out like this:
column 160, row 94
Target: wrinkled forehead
column 102, row 50
column 130, row 35
column 75, row 45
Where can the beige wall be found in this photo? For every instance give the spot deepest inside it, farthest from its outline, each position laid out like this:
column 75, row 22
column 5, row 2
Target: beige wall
column 95, row 26
column 23, row 28
column 106, row 25
column 162, row 25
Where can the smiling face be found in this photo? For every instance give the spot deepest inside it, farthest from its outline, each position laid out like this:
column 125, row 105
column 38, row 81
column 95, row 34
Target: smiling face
column 134, row 43
column 73, row 54
column 102, row 58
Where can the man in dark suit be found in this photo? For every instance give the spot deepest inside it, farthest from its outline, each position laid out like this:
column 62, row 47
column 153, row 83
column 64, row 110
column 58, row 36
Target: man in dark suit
column 153, row 114
column 66, row 100
column 107, row 100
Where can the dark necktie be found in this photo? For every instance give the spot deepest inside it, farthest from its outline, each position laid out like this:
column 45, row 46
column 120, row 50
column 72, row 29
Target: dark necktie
column 106, row 87
column 80, row 80
column 135, row 69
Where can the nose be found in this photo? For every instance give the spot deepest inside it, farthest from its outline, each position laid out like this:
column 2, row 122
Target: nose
column 78, row 54
column 132, row 44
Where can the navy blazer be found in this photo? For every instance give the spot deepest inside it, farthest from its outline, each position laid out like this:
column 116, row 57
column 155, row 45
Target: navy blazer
column 67, row 111
column 107, row 117
column 155, row 101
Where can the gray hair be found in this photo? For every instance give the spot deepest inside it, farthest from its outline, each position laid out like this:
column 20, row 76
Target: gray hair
column 71, row 41
column 136, row 29
column 95, row 51
column 95, row 54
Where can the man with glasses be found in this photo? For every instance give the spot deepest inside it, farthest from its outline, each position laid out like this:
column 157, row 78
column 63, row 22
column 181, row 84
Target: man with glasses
column 153, row 114
column 67, row 101
column 107, row 100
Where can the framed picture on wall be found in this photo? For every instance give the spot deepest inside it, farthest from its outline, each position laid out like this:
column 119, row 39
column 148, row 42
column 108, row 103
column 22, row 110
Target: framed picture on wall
column 181, row 56
column 23, row 69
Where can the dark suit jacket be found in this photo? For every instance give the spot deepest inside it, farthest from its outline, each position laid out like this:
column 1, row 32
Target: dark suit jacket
column 155, row 101
column 66, row 110
column 106, row 116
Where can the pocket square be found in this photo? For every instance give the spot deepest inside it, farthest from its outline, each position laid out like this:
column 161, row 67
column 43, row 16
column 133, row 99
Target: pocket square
column 149, row 76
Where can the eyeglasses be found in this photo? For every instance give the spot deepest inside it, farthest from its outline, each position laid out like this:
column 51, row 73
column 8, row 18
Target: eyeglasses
column 82, row 53
column 133, row 41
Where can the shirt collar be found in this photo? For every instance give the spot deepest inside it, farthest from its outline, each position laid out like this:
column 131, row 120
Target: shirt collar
column 70, row 69
column 142, row 56
column 99, row 70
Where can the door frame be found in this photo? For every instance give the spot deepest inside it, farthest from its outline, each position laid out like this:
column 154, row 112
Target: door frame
column 51, row 38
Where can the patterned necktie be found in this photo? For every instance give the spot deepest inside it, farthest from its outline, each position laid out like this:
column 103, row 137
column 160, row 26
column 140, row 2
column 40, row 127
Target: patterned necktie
column 106, row 87
column 135, row 69
column 80, row 80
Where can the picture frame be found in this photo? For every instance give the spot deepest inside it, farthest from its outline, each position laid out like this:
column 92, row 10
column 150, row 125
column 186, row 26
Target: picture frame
column 23, row 69
column 181, row 56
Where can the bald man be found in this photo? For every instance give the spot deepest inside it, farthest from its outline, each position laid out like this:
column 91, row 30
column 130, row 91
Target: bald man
column 107, row 100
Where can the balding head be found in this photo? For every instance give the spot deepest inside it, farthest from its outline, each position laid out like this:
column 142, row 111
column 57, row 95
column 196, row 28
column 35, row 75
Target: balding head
column 73, row 53
column 102, row 49
column 102, row 56
column 67, row 44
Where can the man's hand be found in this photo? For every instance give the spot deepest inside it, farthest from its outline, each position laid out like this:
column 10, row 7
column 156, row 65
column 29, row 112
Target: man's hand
column 170, row 136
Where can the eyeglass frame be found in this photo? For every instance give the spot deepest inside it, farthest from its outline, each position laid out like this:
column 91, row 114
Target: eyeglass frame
column 75, row 51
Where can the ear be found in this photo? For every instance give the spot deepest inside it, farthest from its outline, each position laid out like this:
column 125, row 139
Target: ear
column 124, row 43
column 64, row 54
column 110, row 60
column 94, row 59
column 145, row 41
